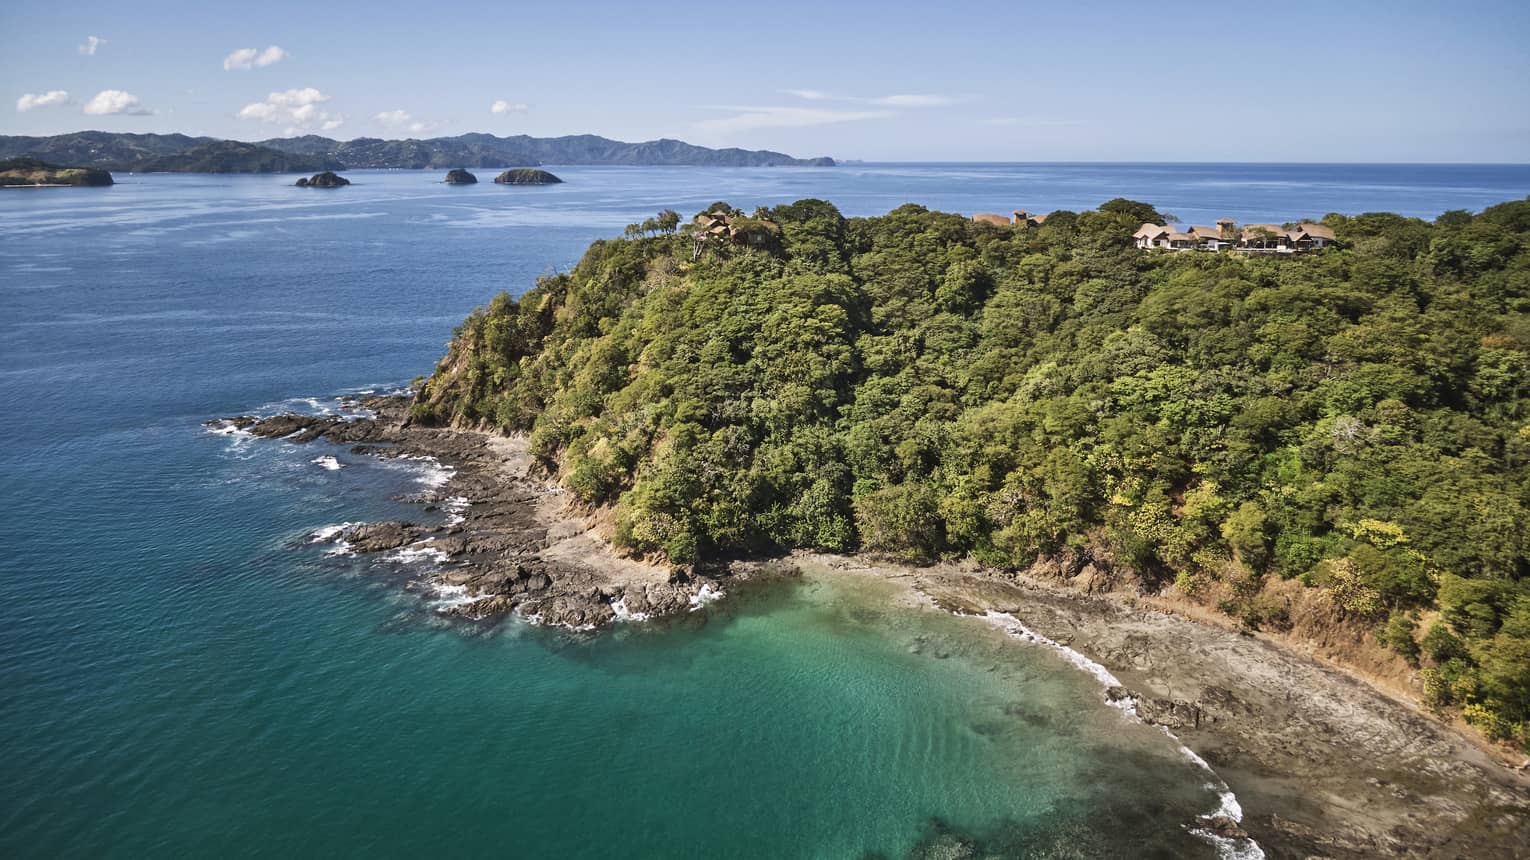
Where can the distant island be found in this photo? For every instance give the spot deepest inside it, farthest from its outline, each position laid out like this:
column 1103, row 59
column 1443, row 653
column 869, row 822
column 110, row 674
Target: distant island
column 20, row 172
column 327, row 179
column 526, row 176
column 179, row 153
column 459, row 176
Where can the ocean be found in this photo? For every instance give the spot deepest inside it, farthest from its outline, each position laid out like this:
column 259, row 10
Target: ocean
column 185, row 673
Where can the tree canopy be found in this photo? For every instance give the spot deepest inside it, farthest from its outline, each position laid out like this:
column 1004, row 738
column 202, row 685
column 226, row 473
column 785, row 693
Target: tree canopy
column 921, row 385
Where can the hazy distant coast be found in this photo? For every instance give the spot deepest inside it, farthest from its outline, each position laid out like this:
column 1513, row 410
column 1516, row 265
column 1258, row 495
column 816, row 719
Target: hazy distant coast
column 179, row 153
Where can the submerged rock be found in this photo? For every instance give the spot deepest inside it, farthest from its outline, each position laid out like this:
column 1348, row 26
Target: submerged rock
column 458, row 176
column 526, row 176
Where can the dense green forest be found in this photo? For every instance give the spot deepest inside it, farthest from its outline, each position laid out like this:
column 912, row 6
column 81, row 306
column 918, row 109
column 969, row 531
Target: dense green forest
column 921, row 385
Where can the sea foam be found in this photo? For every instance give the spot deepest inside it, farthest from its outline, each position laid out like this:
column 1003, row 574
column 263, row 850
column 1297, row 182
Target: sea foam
column 707, row 593
column 456, row 509
column 624, row 614
column 332, row 533
column 421, row 551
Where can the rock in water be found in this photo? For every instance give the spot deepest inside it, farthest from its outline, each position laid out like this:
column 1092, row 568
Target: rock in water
column 327, row 179
column 526, row 176
column 460, row 177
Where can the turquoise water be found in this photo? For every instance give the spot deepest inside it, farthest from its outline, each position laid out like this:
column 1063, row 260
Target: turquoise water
column 185, row 674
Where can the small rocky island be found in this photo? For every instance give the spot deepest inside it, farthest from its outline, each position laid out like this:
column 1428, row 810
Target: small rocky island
column 458, row 176
column 23, row 172
column 526, row 176
column 327, row 179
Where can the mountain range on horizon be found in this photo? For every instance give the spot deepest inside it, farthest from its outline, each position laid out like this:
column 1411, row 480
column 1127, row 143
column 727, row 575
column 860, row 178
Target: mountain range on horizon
column 180, row 153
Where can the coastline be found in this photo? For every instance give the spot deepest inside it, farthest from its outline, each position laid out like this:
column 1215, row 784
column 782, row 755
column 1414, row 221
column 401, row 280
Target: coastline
column 1323, row 763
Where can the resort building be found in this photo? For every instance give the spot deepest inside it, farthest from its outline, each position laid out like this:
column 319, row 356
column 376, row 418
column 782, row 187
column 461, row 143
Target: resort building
column 1250, row 239
column 1020, row 218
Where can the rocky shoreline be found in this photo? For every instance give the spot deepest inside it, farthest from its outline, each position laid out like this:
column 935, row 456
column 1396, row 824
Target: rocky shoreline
column 1323, row 764
column 511, row 546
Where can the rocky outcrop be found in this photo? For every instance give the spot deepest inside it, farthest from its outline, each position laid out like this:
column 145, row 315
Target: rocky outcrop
column 30, row 171
column 327, row 179
column 379, row 537
column 526, row 176
column 510, row 547
column 1172, row 714
column 458, row 176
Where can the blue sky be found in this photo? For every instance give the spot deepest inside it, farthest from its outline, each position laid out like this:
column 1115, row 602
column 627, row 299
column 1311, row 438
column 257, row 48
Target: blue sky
column 1000, row 81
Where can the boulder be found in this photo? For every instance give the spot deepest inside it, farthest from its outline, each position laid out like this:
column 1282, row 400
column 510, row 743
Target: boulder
column 526, row 176
column 460, row 177
column 377, row 537
column 1224, row 826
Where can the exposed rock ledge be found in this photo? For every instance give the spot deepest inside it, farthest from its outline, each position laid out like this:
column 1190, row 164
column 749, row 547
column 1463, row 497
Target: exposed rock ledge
column 513, row 546
column 1322, row 764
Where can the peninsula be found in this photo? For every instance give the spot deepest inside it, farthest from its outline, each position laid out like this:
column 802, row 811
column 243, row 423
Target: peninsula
column 16, row 172
column 1237, row 481
column 178, row 153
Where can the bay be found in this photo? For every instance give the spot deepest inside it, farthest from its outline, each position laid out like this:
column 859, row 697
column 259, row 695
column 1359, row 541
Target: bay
column 185, row 674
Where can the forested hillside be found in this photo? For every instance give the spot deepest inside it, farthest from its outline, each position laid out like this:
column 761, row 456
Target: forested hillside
column 1357, row 420
column 152, row 153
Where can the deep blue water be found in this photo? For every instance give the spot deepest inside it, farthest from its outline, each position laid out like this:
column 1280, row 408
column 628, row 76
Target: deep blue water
column 183, row 674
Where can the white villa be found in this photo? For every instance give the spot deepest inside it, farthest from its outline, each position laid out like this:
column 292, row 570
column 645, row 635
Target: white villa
column 1250, row 239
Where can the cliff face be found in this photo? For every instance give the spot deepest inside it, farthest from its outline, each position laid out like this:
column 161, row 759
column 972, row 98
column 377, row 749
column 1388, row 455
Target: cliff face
column 30, row 171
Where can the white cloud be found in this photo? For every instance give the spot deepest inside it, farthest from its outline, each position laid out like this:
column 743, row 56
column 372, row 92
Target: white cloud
column 1026, row 122
column 115, row 102
column 930, row 100
column 51, row 97
column 746, row 118
column 903, row 100
column 402, row 119
column 297, row 108
column 91, row 44
column 245, row 59
column 502, row 106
